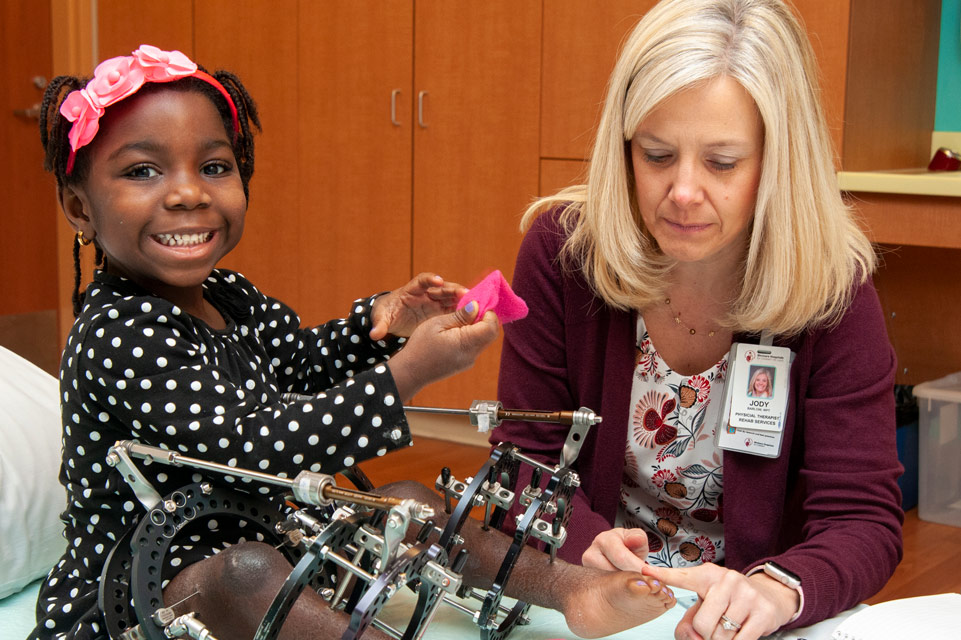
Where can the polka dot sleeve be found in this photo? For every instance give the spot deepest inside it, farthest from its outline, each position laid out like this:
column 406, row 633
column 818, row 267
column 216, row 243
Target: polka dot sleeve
column 152, row 372
column 308, row 360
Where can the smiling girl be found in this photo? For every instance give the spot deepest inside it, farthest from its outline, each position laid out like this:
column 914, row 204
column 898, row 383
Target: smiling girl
column 153, row 159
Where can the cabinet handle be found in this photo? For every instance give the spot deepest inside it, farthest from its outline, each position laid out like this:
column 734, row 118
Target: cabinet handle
column 393, row 107
column 32, row 112
column 420, row 109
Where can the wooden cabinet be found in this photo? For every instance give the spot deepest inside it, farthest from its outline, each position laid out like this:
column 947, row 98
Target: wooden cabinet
column 581, row 43
column 330, row 202
column 28, row 244
column 383, row 153
column 475, row 151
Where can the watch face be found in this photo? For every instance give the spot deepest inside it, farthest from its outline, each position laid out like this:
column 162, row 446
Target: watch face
column 782, row 575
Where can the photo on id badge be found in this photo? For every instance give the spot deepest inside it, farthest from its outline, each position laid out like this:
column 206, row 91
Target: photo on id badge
column 761, row 382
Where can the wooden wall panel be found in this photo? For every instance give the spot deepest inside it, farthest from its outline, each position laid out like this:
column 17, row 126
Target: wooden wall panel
column 891, row 87
column 28, row 244
column 581, row 43
column 557, row 174
column 257, row 41
column 355, row 164
column 828, row 25
column 123, row 26
column 476, row 162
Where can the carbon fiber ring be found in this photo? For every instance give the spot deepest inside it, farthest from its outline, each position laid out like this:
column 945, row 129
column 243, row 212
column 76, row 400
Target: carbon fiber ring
column 729, row 625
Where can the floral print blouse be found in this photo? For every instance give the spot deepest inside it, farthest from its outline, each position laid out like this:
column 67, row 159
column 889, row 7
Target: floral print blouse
column 673, row 476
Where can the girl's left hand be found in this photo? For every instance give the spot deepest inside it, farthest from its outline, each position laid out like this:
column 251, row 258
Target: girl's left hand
column 758, row 604
column 400, row 311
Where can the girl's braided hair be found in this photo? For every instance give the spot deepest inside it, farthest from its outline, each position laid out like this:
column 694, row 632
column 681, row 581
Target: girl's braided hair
column 54, row 130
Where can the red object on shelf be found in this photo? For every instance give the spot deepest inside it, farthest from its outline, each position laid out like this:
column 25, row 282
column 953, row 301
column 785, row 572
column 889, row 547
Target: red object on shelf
column 945, row 159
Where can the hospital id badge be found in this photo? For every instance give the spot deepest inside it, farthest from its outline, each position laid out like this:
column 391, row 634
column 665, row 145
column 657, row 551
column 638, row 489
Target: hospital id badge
column 755, row 399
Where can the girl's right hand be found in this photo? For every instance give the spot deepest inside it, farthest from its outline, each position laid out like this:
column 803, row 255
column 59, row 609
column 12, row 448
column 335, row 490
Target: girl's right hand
column 440, row 347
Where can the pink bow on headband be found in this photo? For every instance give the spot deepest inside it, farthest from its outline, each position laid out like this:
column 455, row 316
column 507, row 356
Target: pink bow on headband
column 120, row 77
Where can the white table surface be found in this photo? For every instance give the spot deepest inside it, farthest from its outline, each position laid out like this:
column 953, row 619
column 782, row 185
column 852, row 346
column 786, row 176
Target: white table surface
column 17, row 616
column 451, row 624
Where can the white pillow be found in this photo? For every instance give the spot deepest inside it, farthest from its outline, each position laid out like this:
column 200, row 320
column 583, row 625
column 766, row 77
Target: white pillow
column 31, row 496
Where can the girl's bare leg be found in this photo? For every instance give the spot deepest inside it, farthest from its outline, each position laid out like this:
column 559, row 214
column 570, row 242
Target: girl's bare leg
column 231, row 591
column 594, row 602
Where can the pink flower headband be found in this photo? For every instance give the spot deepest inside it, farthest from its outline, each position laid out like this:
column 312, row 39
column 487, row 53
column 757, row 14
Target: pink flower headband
column 121, row 77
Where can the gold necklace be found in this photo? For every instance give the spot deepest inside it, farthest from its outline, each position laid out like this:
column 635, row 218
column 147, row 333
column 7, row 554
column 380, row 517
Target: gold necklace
column 678, row 321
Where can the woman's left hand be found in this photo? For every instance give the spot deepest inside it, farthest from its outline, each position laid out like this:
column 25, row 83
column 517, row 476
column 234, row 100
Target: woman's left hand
column 751, row 606
column 400, row 311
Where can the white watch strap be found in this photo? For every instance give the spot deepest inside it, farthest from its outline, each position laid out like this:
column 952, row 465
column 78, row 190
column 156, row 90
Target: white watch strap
column 776, row 576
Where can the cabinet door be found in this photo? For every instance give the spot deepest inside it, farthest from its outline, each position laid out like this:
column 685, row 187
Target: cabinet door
column 257, row 41
column 354, row 164
column 581, row 43
column 31, row 219
column 475, row 150
column 329, row 216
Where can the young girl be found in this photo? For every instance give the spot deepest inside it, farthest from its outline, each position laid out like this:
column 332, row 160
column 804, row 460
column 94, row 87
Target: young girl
column 153, row 158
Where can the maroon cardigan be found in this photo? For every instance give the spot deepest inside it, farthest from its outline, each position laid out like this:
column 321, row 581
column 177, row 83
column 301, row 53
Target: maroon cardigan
column 828, row 509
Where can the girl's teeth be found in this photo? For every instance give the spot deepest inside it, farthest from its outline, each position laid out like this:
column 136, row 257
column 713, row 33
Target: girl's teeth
column 182, row 240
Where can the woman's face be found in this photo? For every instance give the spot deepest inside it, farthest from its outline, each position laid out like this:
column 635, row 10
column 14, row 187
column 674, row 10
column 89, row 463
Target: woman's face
column 697, row 165
column 761, row 383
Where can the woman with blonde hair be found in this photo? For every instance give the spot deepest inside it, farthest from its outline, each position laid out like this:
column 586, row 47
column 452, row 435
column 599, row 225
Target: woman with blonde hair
column 761, row 385
column 711, row 215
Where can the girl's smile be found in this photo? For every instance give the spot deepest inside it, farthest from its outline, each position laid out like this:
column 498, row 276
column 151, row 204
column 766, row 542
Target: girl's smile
column 162, row 197
column 183, row 239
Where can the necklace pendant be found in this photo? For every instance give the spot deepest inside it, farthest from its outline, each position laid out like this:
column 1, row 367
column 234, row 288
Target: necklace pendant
column 693, row 332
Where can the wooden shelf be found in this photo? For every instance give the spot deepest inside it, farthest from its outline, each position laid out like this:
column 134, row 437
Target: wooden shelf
column 906, row 181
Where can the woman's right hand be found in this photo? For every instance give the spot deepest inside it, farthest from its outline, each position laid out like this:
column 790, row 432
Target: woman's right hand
column 440, row 347
column 617, row 549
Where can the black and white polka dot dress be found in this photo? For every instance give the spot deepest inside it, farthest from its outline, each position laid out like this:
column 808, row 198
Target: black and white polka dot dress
column 137, row 367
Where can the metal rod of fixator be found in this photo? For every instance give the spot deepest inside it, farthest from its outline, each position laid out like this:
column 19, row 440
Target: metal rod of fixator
column 307, row 486
column 490, row 413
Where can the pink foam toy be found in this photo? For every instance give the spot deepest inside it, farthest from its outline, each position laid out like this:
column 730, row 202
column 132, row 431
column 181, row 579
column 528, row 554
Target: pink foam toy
column 494, row 294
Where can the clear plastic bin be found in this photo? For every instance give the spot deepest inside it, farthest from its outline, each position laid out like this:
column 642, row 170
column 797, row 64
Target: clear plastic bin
column 939, row 450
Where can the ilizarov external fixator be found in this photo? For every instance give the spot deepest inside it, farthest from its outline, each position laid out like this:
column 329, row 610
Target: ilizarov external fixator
column 362, row 535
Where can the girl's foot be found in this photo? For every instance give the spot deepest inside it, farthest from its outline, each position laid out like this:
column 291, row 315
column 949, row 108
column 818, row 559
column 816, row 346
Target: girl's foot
column 612, row 601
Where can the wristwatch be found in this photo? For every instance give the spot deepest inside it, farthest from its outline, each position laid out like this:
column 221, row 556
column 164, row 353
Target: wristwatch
column 782, row 575
column 785, row 577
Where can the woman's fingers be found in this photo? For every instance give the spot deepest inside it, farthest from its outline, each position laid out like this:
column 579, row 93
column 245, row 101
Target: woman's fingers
column 623, row 549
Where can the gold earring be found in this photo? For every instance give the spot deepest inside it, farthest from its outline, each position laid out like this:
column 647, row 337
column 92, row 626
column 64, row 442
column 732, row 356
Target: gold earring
column 83, row 240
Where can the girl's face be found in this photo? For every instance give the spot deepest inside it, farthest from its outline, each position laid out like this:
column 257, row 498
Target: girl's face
column 163, row 197
column 697, row 166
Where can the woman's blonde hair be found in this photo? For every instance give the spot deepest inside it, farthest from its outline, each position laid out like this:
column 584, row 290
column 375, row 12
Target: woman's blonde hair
column 805, row 251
